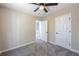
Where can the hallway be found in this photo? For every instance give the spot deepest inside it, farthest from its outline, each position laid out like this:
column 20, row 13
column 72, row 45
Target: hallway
column 40, row 48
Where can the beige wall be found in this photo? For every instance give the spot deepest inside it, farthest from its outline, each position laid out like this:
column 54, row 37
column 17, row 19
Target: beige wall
column 51, row 29
column 74, row 10
column 15, row 28
column 75, row 28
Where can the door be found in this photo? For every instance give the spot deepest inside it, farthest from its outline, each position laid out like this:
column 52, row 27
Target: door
column 44, row 30
column 63, row 31
column 38, row 29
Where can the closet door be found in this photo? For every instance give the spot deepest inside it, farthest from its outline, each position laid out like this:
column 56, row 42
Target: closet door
column 63, row 31
column 68, row 31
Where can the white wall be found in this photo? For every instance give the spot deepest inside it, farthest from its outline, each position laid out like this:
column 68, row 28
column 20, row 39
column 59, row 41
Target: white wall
column 15, row 28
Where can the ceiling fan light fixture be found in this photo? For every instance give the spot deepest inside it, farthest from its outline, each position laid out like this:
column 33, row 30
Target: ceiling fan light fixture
column 41, row 7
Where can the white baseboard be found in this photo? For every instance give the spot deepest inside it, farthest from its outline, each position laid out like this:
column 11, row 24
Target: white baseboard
column 52, row 43
column 73, row 50
column 16, row 47
column 76, row 51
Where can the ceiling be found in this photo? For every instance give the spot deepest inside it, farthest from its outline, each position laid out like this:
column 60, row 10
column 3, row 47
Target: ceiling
column 29, row 8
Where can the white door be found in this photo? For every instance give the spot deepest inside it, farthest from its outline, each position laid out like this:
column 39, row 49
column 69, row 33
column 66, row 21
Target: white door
column 63, row 31
column 44, row 30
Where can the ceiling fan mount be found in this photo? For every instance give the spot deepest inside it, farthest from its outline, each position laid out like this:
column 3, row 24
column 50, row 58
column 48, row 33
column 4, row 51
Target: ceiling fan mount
column 43, row 6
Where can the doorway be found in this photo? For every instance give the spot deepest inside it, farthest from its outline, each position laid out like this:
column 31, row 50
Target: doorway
column 41, row 30
column 63, row 31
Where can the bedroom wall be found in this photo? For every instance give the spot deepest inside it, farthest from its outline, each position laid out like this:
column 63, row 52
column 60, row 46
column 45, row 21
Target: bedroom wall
column 16, row 28
column 74, row 10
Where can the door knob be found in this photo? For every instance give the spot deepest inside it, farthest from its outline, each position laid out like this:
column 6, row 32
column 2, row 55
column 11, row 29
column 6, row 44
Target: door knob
column 46, row 32
column 57, row 33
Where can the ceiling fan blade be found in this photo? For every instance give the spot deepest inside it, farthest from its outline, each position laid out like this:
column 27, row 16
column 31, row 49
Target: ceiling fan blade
column 45, row 10
column 51, row 4
column 36, row 9
column 41, row 3
column 35, row 3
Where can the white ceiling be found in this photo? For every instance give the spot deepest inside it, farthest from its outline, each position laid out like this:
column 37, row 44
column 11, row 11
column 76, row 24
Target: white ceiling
column 29, row 8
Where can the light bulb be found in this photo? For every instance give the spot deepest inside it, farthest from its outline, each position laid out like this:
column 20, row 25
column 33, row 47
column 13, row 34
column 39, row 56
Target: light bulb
column 41, row 7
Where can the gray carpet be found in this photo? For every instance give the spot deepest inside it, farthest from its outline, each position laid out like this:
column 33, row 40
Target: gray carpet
column 40, row 48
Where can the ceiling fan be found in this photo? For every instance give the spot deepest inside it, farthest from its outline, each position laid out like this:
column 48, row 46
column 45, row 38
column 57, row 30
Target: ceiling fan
column 43, row 6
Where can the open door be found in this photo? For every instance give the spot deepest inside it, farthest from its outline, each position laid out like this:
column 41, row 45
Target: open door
column 38, row 29
column 41, row 30
column 44, row 30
